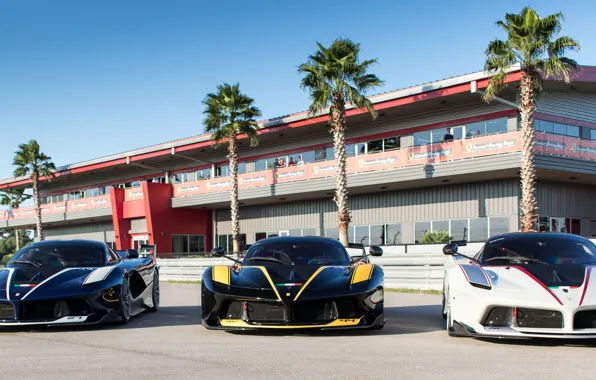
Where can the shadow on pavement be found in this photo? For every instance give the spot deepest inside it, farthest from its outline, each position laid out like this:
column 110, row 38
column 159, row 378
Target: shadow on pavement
column 166, row 316
column 399, row 320
column 541, row 342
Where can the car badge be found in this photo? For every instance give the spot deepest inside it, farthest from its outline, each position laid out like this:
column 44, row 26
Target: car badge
column 287, row 294
column 18, row 294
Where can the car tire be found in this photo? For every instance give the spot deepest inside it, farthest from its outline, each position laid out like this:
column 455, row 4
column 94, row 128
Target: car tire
column 155, row 293
column 125, row 302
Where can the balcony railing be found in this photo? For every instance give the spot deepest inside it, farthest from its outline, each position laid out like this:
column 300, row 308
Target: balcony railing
column 564, row 146
column 420, row 155
column 57, row 208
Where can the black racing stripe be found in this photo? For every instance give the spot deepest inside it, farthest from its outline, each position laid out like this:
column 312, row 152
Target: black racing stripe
column 558, row 274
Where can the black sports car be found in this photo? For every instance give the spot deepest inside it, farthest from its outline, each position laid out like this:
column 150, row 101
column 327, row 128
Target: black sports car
column 58, row 282
column 294, row 283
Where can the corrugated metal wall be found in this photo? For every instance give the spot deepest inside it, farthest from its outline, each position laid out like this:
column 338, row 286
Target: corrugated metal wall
column 94, row 231
column 495, row 198
column 570, row 200
column 579, row 106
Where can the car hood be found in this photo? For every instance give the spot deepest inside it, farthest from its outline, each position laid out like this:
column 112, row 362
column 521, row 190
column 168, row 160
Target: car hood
column 287, row 281
column 29, row 283
column 563, row 284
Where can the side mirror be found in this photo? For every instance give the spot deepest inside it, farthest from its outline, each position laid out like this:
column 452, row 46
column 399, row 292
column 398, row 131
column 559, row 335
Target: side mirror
column 218, row 251
column 450, row 249
column 132, row 253
column 375, row 251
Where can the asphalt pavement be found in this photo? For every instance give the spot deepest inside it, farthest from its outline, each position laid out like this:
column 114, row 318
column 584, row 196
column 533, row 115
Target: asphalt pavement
column 172, row 344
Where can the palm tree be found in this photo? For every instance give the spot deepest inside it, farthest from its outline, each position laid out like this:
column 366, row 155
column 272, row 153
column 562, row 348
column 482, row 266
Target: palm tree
column 231, row 114
column 531, row 43
column 31, row 162
column 333, row 76
column 13, row 199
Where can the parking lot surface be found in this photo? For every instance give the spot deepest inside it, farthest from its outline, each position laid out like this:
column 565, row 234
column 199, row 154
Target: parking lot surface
column 172, row 344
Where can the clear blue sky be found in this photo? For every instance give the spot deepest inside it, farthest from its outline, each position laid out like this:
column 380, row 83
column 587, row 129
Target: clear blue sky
column 91, row 78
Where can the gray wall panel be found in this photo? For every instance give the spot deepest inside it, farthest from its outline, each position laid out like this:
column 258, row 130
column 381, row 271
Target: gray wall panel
column 579, row 106
column 565, row 164
column 95, row 231
column 446, row 202
column 559, row 199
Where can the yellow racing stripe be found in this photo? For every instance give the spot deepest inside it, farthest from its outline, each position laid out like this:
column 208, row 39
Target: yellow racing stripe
column 362, row 273
column 336, row 323
column 264, row 270
column 308, row 282
column 221, row 274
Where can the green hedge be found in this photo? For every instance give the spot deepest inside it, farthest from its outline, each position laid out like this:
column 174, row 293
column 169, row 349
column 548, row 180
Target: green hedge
column 6, row 258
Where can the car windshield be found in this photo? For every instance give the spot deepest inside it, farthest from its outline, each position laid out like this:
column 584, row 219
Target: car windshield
column 60, row 255
column 296, row 252
column 539, row 249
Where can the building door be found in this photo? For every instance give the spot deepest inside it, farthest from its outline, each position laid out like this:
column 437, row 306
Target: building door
column 138, row 240
column 558, row 225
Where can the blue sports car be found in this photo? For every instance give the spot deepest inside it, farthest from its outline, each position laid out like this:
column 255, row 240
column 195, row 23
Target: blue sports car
column 66, row 282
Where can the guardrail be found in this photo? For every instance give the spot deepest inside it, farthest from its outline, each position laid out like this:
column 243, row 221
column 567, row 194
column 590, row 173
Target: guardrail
column 419, row 268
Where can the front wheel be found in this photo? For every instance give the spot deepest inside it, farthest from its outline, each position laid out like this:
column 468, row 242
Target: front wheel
column 155, row 293
column 125, row 302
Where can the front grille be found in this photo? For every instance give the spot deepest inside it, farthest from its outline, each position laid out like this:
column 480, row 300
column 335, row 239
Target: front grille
column 499, row 317
column 53, row 309
column 265, row 312
column 299, row 312
column 324, row 311
column 537, row 318
column 6, row 311
column 585, row 319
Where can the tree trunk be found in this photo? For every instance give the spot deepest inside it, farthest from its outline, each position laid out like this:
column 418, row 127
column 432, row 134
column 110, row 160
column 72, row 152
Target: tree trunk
column 338, row 124
column 528, row 204
column 17, row 240
column 234, row 208
column 37, row 206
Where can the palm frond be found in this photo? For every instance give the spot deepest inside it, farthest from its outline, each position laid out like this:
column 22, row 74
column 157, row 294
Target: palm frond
column 531, row 43
column 337, row 70
column 229, row 113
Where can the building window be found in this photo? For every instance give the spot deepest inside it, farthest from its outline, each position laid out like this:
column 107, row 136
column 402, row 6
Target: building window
column 478, row 230
column 227, row 243
column 222, row 171
column 310, row 232
column 498, row 225
column 188, row 243
column 295, row 232
column 203, row 174
column 332, row 233
column 391, row 143
column 361, row 234
column 420, row 228
column 374, row 146
column 393, row 234
column 440, row 225
column 459, row 229
column 260, row 236
column 377, row 235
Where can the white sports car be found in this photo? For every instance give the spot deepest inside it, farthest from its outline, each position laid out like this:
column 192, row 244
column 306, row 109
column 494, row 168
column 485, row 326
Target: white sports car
column 522, row 285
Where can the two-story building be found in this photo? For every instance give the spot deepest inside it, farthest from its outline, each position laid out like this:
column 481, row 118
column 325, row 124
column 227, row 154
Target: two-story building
column 437, row 158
